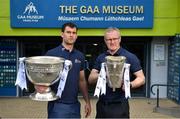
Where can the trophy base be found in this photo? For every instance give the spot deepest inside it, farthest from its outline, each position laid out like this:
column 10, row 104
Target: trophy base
column 49, row 96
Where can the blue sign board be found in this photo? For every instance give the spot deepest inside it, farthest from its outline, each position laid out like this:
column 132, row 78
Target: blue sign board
column 84, row 13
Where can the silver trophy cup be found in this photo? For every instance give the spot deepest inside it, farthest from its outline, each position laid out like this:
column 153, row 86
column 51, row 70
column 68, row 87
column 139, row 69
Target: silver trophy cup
column 44, row 71
column 115, row 70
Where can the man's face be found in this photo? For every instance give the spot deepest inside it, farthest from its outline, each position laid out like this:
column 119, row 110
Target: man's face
column 69, row 35
column 112, row 40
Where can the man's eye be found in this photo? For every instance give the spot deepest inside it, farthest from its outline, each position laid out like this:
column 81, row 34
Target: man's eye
column 70, row 32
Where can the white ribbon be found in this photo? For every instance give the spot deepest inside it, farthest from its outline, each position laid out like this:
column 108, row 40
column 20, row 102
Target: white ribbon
column 101, row 82
column 21, row 76
column 127, row 81
column 63, row 77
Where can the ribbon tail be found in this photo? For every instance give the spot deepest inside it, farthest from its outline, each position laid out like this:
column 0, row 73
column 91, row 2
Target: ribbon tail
column 103, row 88
column 101, row 83
column 127, row 81
column 97, row 89
column 97, row 92
column 21, row 76
column 59, row 91
column 63, row 77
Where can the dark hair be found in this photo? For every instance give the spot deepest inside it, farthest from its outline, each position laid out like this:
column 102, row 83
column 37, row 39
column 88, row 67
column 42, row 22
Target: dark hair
column 71, row 25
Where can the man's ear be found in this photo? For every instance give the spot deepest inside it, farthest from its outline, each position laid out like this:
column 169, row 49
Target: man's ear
column 61, row 34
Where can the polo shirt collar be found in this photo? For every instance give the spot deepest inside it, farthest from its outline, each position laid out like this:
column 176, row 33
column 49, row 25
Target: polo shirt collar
column 64, row 49
column 118, row 52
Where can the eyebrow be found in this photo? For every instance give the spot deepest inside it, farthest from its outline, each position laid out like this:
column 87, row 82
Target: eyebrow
column 71, row 32
column 112, row 38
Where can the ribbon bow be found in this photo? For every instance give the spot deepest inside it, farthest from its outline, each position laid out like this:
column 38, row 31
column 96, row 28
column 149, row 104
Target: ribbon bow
column 127, row 81
column 21, row 76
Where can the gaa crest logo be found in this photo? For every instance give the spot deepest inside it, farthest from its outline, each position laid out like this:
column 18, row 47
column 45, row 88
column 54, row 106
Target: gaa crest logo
column 30, row 14
column 30, row 9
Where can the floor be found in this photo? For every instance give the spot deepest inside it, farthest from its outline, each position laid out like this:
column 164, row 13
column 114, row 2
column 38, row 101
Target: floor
column 27, row 108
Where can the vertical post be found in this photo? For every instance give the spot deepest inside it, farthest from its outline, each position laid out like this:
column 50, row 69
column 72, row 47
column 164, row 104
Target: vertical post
column 157, row 96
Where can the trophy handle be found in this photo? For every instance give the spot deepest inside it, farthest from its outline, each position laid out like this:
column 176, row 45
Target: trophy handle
column 67, row 67
column 68, row 62
column 27, row 74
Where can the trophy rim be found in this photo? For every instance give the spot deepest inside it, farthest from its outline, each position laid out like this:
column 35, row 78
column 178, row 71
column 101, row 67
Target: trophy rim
column 35, row 58
column 40, row 61
column 115, row 58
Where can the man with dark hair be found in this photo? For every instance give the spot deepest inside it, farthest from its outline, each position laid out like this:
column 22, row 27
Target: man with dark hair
column 68, row 105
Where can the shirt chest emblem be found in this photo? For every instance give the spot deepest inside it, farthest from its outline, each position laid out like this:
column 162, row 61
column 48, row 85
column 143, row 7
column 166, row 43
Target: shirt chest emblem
column 77, row 61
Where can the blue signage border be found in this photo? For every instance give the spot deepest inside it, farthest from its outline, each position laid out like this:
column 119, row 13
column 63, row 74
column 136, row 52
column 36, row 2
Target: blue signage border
column 86, row 13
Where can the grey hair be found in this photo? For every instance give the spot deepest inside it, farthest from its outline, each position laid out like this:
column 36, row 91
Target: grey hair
column 110, row 29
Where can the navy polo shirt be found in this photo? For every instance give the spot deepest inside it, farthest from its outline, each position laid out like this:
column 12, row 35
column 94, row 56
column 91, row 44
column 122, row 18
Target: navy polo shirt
column 71, row 88
column 134, row 67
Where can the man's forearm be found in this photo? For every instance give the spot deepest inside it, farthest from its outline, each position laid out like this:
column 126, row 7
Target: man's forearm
column 84, row 90
column 93, row 76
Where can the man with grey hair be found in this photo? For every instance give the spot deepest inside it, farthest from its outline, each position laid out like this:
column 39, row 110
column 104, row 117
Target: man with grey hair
column 114, row 104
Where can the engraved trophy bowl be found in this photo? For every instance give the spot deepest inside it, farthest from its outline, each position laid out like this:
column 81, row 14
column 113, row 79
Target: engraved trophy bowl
column 44, row 71
column 115, row 70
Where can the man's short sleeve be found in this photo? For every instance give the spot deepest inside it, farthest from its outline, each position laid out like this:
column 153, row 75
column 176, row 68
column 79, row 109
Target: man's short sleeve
column 97, row 64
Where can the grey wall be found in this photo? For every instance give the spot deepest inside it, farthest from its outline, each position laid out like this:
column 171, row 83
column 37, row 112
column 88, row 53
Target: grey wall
column 159, row 65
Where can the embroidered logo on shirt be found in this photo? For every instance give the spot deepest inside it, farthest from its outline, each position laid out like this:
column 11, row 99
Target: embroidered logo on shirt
column 63, row 49
column 77, row 61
